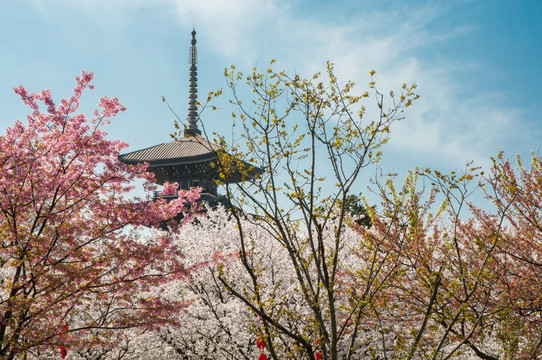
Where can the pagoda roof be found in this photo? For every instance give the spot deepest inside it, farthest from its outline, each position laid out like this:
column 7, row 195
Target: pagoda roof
column 186, row 150
column 192, row 154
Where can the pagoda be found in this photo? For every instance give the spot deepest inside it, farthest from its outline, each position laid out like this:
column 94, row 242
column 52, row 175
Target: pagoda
column 190, row 160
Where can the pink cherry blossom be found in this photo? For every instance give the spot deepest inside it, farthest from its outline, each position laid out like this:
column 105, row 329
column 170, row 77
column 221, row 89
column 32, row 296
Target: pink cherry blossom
column 74, row 246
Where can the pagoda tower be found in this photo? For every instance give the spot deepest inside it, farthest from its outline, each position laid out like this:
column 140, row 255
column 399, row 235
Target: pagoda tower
column 187, row 160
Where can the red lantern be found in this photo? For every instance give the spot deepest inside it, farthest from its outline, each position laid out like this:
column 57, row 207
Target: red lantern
column 262, row 356
column 317, row 356
column 63, row 351
column 260, row 344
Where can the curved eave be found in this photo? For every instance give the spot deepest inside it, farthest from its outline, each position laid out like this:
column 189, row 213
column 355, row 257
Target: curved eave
column 184, row 152
column 193, row 149
column 170, row 162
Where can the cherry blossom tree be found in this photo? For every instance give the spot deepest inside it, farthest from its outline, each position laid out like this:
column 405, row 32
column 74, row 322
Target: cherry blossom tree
column 517, row 196
column 469, row 283
column 444, row 302
column 74, row 261
column 312, row 138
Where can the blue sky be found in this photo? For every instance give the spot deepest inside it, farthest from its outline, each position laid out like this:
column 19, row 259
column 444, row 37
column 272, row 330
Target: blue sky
column 476, row 63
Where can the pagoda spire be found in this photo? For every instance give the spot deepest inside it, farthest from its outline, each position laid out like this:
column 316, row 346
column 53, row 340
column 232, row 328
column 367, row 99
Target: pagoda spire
column 192, row 128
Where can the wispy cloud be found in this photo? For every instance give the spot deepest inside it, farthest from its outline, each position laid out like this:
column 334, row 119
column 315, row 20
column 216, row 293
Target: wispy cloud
column 447, row 127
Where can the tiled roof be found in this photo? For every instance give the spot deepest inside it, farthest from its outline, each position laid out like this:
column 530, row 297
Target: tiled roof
column 182, row 151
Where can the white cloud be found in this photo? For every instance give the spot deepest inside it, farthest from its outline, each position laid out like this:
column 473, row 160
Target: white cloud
column 445, row 125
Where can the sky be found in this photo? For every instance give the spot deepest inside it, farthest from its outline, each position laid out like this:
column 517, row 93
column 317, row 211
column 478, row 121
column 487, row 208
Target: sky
column 477, row 64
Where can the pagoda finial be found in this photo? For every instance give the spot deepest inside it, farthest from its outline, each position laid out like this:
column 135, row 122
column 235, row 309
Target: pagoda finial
column 192, row 128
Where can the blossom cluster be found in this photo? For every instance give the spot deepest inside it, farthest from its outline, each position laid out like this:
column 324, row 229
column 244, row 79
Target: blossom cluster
column 73, row 253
